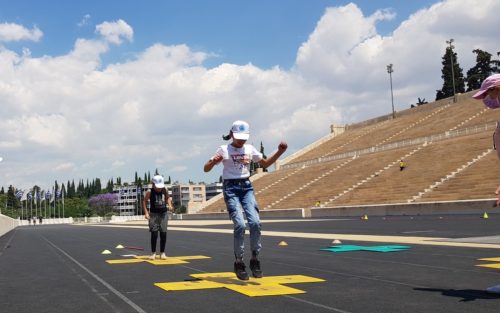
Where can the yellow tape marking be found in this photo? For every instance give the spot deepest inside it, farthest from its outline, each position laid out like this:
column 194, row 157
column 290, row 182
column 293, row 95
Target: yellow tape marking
column 255, row 287
column 169, row 261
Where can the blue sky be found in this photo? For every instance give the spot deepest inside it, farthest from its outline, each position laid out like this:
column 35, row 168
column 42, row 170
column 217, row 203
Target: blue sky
column 104, row 88
column 264, row 33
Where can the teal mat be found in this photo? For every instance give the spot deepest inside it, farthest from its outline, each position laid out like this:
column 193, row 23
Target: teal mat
column 346, row 248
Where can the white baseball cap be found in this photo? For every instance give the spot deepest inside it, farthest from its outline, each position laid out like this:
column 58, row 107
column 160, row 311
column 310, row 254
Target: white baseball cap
column 240, row 130
column 158, row 181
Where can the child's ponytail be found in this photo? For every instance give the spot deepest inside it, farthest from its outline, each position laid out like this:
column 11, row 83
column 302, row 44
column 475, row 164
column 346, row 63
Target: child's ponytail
column 227, row 137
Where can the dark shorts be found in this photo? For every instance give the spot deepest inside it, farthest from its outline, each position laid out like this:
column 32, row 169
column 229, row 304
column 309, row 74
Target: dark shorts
column 158, row 222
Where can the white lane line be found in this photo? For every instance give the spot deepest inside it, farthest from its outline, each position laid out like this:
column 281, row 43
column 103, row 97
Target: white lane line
column 316, row 304
column 430, row 241
column 99, row 279
column 418, row 231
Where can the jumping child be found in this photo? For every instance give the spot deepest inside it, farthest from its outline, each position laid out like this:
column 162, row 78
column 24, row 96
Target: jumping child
column 239, row 194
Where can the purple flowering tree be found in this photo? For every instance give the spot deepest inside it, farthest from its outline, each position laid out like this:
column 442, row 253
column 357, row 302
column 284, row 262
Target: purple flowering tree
column 103, row 203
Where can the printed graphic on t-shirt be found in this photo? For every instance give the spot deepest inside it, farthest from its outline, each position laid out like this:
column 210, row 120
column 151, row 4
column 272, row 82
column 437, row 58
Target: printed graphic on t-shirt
column 159, row 202
column 241, row 161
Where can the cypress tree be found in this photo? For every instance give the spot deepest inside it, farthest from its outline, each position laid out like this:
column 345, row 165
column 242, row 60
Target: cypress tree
column 447, row 74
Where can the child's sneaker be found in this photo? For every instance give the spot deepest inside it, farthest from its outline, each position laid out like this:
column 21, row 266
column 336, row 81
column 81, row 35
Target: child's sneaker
column 152, row 256
column 163, row 256
column 240, row 271
column 255, row 267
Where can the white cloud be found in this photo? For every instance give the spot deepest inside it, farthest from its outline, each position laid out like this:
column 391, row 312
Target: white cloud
column 85, row 21
column 118, row 163
column 163, row 108
column 65, row 166
column 352, row 60
column 16, row 32
column 115, row 32
column 177, row 169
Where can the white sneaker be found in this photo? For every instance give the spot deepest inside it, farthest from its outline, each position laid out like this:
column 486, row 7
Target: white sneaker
column 152, row 256
column 163, row 256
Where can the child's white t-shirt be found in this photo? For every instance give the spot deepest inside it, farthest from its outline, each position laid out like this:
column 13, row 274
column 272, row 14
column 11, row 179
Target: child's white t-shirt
column 236, row 161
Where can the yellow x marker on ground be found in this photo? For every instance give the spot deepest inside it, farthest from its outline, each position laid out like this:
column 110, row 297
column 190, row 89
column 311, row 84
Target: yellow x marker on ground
column 169, row 261
column 255, row 287
column 490, row 265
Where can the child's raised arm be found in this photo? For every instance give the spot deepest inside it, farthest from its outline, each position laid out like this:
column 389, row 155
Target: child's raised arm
column 269, row 161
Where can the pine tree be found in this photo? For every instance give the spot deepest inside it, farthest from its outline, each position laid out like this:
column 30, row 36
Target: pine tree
column 2, row 192
column 136, row 179
column 479, row 72
column 68, row 189
column 263, row 153
column 11, row 197
column 56, row 187
column 98, row 188
column 447, row 74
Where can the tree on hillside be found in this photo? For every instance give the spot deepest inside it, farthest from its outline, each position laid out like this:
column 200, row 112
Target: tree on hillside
column 2, row 191
column 479, row 72
column 447, row 74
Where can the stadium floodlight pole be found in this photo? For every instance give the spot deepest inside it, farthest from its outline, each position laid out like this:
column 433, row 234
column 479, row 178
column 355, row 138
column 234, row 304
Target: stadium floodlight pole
column 452, row 68
column 390, row 71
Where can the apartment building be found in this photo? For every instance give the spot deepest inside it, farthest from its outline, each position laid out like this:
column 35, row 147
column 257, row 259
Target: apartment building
column 190, row 196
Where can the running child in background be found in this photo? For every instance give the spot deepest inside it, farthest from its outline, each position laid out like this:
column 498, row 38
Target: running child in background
column 157, row 214
column 239, row 194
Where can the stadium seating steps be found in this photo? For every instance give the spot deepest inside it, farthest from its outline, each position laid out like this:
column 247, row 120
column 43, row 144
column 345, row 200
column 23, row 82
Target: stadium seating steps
column 447, row 148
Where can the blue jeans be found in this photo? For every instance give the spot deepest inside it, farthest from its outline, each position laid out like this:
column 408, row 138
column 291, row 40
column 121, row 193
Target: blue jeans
column 239, row 197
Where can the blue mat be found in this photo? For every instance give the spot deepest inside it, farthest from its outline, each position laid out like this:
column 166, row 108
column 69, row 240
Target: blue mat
column 346, row 248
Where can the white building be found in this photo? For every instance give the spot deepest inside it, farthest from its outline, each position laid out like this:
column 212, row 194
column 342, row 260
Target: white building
column 191, row 196
column 128, row 200
column 213, row 189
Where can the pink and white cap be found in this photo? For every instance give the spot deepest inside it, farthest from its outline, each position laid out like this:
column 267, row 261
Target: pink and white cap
column 489, row 82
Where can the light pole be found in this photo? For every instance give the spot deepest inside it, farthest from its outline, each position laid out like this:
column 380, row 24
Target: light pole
column 390, row 70
column 452, row 68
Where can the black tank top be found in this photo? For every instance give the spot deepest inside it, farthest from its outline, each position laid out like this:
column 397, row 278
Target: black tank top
column 157, row 202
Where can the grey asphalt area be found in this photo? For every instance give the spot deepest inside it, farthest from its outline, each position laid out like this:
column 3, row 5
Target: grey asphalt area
column 61, row 268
